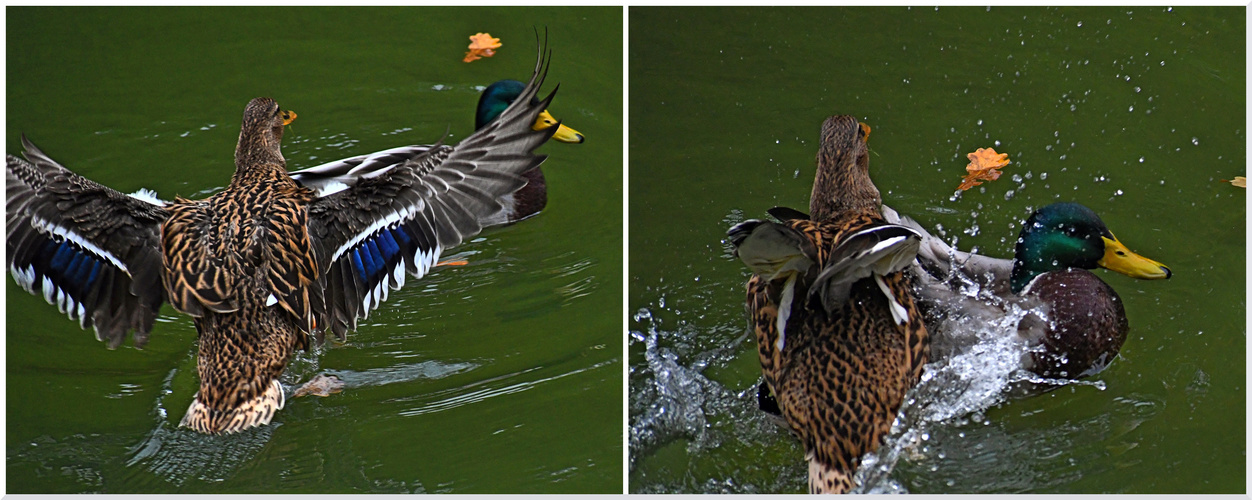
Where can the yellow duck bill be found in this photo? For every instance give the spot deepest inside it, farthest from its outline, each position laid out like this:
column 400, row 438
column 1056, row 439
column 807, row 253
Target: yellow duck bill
column 563, row 133
column 1120, row 259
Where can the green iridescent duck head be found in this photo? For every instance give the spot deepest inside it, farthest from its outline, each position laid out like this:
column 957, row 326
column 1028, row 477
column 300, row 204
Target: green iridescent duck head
column 1068, row 235
column 497, row 97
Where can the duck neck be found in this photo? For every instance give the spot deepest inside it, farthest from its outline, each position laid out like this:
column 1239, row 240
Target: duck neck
column 268, row 172
column 258, row 158
column 1040, row 251
column 1021, row 277
column 840, row 189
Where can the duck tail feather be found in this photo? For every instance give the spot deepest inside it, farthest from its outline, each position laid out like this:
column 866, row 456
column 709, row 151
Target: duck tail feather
column 826, row 479
column 254, row 413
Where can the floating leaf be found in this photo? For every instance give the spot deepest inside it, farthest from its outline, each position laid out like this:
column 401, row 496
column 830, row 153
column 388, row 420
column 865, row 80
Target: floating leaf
column 1240, row 181
column 983, row 166
column 481, row 45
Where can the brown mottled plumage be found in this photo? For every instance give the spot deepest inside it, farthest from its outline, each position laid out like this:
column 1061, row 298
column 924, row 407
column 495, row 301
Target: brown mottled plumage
column 842, row 364
column 267, row 263
column 225, row 274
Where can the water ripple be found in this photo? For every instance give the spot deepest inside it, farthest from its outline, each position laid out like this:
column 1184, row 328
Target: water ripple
column 456, row 397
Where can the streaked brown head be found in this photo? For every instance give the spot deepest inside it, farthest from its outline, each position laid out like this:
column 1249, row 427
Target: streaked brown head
column 260, row 138
column 842, row 183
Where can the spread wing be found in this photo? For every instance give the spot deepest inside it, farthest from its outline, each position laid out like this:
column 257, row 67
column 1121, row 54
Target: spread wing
column 88, row 249
column 368, row 234
column 336, row 176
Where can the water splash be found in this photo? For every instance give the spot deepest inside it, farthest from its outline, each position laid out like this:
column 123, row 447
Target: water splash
column 673, row 400
column 977, row 363
column 678, row 399
column 677, row 395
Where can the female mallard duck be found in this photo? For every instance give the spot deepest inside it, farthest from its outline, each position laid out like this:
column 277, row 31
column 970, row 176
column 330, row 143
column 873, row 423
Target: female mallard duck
column 334, row 176
column 266, row 263
column 839, row 338
column 1078, row 324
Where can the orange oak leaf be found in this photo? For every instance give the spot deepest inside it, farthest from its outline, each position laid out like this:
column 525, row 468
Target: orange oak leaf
column 1240, row 181
column 481, row 45
column 983, row 166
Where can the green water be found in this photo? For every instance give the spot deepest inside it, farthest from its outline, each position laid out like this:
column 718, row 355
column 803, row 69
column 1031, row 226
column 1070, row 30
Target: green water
column 1134, row 112
column 499, row 376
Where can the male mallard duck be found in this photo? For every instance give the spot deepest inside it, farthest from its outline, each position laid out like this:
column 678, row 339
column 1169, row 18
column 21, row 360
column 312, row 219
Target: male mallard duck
column 265, row 263
column 338, row 175
column 1083, row 323
column 839, row 338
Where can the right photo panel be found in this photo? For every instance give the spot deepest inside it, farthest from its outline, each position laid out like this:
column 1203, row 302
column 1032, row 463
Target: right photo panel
column 937, row 250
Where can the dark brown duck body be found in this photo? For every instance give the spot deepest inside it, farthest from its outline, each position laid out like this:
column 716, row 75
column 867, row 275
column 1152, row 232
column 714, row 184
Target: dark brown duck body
column 841, row 377
column 1086, row 324
column 838, row 362
column 230, row 275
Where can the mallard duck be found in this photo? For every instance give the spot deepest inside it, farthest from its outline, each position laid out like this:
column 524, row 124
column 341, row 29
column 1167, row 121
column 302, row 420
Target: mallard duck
column 1078, row 323
column 266, row 264
column 338, row 175
column 839, row 337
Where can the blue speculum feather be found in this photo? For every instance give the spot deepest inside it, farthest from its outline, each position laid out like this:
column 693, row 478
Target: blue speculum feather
column 360, row 267
column 387, row 244
column 69, row 267
column 376, row 257
column 401, row 236
column 369, row 257
column 61, row 259
column 76, row 267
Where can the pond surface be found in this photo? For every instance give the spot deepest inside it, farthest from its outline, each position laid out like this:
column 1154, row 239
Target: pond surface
column 1137, row 113
column 504, row 375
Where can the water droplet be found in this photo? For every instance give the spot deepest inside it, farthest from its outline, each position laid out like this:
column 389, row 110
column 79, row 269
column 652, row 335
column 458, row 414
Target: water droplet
column 1195, row 141
column 1140, row 159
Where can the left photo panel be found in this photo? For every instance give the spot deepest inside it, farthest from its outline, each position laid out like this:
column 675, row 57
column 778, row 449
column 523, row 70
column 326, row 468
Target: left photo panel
column 314, row 250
